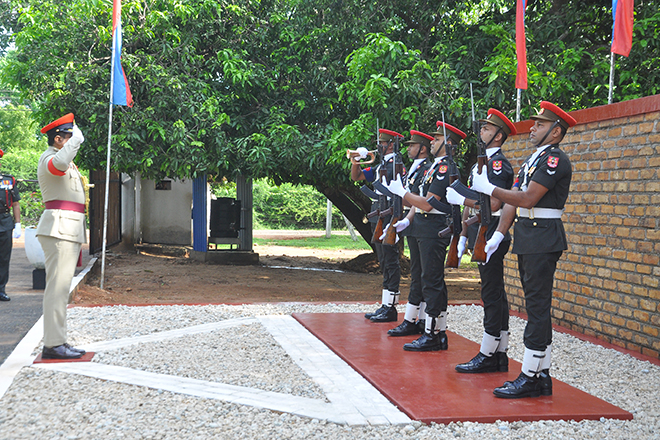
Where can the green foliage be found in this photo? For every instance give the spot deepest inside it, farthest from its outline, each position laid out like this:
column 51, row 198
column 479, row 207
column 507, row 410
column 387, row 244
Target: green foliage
column 335, row 242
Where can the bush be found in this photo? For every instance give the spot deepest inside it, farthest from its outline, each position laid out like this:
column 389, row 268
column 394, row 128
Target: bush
column 286, row 206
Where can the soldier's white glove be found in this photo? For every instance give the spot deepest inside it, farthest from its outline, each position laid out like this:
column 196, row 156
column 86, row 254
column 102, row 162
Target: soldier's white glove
column 77, row 137
column 396, row 186
column 382, row 237
column 402, row 224
column 362, row 152
column 462, row 242
column 17, row 230
column 454, row 197
column 481, row 183
column 493, row 244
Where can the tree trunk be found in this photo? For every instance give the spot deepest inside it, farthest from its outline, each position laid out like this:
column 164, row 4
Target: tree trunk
column 353, row 204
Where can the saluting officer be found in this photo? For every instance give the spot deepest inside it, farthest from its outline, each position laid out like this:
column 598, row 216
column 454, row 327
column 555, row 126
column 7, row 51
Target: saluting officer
column 415, row 315
column 432, row 249
column 540, row 191
column 61, row 229
column 388, row 256
column 8, row 223
column 492, row 356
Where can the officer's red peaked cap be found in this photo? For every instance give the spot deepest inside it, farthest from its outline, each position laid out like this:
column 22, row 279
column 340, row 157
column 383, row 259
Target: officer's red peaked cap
column 497, row 118
column 452, row 132
column 552, row 113
column 63, row 124
column 385, row 135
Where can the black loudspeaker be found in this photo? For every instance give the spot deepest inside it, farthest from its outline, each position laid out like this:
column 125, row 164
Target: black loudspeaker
column 39, row 279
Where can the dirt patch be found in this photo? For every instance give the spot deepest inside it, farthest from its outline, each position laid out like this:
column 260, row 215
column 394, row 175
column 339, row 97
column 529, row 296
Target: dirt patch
column 289, row 275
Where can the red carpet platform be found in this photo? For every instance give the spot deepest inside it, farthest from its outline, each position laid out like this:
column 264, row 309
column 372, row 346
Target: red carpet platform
column 427, row 388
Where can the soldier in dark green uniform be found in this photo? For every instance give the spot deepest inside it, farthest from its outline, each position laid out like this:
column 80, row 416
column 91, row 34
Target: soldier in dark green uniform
column 432, row 249
column 540, row 191
column 492, row 356
column 415, row 316
column 10, row 225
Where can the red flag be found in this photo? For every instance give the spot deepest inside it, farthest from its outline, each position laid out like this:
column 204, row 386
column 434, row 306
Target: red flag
column 521, row 47
column 120, row 90
column 622, row 30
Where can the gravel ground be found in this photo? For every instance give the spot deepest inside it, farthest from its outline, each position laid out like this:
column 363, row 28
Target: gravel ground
column 54, row 405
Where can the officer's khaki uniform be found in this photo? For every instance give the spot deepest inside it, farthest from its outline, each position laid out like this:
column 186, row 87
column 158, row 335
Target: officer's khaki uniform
column 61, row 233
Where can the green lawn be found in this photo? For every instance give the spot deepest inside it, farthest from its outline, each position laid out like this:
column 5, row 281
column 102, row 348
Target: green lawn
column 338, row 242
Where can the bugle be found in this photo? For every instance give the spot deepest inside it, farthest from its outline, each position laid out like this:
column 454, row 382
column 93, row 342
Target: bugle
column 354, row 155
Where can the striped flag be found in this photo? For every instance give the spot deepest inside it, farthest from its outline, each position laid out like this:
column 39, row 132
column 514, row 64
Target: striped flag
column 121, row 93
column 521, row 47
column 622, row 29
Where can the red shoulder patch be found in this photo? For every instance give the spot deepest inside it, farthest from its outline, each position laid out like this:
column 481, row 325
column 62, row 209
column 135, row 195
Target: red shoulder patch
column 553, row 161
column 442, row 169
column 497, row 165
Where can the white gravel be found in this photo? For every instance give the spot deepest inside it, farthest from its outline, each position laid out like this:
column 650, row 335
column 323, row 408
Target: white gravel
column 53, row 405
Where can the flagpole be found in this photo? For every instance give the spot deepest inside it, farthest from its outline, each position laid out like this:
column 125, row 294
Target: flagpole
column 609, row 96
column 107, row 165
column 519, row 93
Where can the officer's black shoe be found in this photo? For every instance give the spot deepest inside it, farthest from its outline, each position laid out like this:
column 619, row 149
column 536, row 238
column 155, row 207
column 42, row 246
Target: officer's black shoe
column 406, row 328
column 59, row 352
column 428, row 342
column 74, row 349
column 479, row 364
column 378, row 311
column 388, row 315
column 502, row 361
column 4, row 297
column 546, row 382
column 523, row 386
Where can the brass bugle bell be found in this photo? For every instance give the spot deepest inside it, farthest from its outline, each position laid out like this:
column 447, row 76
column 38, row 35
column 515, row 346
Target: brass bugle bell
column 353, row 155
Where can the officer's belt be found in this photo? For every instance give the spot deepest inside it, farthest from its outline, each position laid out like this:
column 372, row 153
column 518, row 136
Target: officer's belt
column 540, row 213
column 65, row 205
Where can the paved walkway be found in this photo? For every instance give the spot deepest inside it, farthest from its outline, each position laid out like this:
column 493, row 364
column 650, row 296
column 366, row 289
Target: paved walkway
column 25, row 307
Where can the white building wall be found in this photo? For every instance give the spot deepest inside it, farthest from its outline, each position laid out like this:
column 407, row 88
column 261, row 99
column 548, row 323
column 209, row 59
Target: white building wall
column 166, row 213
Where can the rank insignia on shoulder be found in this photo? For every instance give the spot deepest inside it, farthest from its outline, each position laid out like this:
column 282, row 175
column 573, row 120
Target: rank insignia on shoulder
column 442, row 169
column 497, row 165
column 553, row 161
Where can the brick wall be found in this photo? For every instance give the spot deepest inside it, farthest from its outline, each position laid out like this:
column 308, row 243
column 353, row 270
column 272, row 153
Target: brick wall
column 607, row 282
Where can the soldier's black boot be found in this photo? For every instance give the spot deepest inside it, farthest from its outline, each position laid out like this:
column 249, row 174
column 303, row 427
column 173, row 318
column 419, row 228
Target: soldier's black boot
column 431, row 340
column 378, row 311
column 388, row 315
column 502, row 361
column 406, row 328
column 546, row 382
column 523, row 386
column 479, row 364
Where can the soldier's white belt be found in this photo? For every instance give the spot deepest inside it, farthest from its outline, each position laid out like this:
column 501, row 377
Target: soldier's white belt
column 540, row 213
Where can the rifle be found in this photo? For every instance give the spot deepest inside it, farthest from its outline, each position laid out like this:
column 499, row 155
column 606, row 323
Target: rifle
column 382, row 209
column 456, row 226
column 479, row 253
column 397, row 203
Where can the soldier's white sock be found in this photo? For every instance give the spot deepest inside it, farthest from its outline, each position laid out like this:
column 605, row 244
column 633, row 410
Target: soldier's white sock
column 412, row 312
column 532, row 359
column 489, row 344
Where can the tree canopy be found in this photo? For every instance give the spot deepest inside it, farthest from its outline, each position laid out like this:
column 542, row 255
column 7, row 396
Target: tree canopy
column 280, row 88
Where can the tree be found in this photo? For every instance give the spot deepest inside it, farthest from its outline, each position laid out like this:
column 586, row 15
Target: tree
column 280, row 88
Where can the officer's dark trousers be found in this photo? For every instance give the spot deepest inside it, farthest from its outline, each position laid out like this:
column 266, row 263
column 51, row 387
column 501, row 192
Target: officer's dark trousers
column 388, row 258
column 415, row 296
column 432, row 253
column 537, row 272
column 5, row 256
column 493, row 295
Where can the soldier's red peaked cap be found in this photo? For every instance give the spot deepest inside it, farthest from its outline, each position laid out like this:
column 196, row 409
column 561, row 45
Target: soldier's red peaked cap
column 417, row 137
column 63, row 124
column 552, row 113
column 498, row 119
column 452, row 132
column 385, row 135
